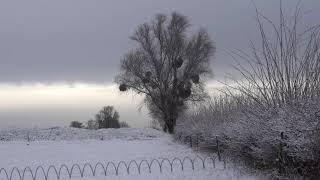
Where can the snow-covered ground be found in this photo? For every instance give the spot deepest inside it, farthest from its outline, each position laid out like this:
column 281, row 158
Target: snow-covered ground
column 57, row 146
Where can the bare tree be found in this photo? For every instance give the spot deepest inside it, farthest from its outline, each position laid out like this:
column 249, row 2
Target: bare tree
column 166, row 66
column 108, row 117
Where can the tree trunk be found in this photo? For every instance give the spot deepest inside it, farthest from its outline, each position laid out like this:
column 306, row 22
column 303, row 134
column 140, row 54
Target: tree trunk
column 165, row 128
column 170, row 125
column 171, row 129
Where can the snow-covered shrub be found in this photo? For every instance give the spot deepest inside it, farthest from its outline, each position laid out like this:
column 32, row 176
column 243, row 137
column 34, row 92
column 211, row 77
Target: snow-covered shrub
column 278, row 93
column 254, row 135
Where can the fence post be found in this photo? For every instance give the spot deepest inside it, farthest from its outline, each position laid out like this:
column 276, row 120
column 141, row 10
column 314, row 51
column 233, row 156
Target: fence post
column 280, row 154
column 197, row 140
column 218, row 148
column 28, row 138
column 190, row 141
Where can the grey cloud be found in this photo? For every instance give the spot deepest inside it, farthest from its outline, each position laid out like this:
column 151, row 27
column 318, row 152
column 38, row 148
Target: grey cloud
column 83, row 40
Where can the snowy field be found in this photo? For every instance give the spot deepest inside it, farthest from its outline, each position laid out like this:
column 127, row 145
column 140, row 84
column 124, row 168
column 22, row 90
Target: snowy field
column 57, row 146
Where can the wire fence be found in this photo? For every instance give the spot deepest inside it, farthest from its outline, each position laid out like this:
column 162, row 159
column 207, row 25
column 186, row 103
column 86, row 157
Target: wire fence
column 285, row 164
column 198, row 142
column 86, row 170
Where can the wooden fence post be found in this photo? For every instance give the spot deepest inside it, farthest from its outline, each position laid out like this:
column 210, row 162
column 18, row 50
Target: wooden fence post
column 280, row 154
column 197, row 140
column 28, row 138
column 218, row 148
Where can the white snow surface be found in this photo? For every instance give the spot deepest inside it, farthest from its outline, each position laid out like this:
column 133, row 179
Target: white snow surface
column 57, row 146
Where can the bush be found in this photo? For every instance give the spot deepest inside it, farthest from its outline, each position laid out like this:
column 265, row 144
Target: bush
column 246, row 132
column 76, row 124
column 92, row 124
column 278, row 93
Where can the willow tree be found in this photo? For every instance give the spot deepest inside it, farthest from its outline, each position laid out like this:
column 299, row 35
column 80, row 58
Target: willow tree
column 167, row 66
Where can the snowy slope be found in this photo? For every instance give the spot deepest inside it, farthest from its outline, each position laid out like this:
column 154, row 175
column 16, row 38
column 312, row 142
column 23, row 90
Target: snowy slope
column 58, row 134
column 57, row 146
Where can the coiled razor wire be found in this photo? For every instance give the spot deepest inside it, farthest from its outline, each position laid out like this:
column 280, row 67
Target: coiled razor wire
column 122, row 166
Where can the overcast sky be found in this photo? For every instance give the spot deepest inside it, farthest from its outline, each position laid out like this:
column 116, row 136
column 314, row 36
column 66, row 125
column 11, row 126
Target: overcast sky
column 58, row 58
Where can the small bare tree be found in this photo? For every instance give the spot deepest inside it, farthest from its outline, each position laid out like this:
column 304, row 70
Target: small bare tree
column 108, row 117
column 166, row 66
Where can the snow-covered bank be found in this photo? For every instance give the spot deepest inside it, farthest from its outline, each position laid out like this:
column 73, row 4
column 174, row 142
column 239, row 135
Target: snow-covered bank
column 58, row 134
